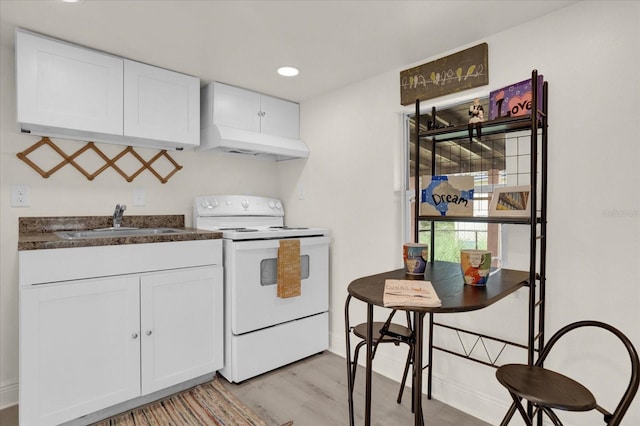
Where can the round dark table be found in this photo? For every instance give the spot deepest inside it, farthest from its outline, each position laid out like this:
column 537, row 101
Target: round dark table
column 447, row 281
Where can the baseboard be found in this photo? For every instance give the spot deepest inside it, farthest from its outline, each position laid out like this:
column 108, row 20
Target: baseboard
column 478, row 404
column 138, row 402
column 8, row 395
column 455, row 394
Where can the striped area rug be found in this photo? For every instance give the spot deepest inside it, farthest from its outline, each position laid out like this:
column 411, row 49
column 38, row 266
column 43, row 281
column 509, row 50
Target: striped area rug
column 206, row 404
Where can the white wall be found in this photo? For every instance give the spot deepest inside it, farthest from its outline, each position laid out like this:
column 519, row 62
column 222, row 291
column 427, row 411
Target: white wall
column 590, row 54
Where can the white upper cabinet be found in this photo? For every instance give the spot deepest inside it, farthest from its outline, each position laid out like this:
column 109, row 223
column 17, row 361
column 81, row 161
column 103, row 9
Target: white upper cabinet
column 161, row 104
column 235, row 107
column 74, row 92
column 279, row 117
column 240, row 121
column 252, row 111
column 63, row 86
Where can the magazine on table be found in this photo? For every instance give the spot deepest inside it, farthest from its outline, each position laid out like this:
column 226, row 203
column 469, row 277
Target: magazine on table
column 410, row 293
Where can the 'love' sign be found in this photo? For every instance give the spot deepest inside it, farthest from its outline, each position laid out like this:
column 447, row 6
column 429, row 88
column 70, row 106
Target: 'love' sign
column 515, row 100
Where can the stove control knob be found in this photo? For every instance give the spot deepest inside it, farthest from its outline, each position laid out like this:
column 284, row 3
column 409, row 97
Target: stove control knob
column 209, row 204
column 278, row 206
column 272, row 205
column 245, row 204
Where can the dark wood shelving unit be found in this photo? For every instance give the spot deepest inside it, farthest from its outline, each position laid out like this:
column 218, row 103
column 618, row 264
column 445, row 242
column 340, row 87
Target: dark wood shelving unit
column 536, row 126
column 500, row 125
column 477, row 219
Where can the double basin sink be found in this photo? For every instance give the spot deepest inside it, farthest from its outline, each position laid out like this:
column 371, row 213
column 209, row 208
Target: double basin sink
column 119, row 232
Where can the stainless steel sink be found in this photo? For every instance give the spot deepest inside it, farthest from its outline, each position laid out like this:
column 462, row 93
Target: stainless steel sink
column 118, row 232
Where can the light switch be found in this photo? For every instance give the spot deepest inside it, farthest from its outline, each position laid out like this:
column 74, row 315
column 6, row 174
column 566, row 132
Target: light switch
column 139, row 197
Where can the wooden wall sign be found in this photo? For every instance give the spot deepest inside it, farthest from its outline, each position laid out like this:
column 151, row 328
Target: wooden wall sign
column 454, row 73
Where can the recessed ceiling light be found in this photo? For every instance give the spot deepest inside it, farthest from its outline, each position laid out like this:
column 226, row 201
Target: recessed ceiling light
column 70, row 1
column 288, row 71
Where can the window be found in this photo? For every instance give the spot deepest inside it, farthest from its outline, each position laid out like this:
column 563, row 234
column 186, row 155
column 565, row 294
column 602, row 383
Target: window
column 451, row 237
column 484, row 158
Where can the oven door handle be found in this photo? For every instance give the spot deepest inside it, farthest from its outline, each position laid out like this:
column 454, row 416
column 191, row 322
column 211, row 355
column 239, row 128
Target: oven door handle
column 275, row 243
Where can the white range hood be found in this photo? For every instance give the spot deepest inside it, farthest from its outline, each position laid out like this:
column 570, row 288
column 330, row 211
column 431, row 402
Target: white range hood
column 241, row 121
column 237, row 141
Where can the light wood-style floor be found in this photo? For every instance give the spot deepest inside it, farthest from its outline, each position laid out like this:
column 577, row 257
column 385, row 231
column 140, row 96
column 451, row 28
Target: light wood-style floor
column 9, row 416
column 313, row 392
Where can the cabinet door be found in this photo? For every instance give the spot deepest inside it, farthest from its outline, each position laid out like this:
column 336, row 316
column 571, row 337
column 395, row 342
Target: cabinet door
column 160, row 104
column 236, row 107
column 181, row 324
column 280, row 117
column 65, row 86
column 79, row 348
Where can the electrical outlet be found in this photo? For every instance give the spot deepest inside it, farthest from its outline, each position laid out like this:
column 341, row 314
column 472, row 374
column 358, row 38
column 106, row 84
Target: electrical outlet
column 20, row 196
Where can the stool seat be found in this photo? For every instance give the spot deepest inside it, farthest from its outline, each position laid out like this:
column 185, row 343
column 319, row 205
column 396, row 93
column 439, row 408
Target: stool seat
column 541, row 386
column 545, row 390
column 401, row 331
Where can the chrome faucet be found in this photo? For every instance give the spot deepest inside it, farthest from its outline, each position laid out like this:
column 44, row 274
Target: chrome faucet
column 117, row 215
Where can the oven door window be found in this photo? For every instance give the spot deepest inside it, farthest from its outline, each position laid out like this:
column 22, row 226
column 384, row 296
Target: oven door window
column 269, row 270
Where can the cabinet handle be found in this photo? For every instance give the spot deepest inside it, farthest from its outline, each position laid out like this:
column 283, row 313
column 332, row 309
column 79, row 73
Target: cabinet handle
column 134, row 336
column 149, row 332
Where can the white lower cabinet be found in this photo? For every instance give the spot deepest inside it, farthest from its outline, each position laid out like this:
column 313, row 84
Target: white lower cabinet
column 181, row 332
column 88, row 344
column 80, row 348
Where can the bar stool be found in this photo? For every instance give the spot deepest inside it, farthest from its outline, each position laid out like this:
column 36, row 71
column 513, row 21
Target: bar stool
column 547, row 390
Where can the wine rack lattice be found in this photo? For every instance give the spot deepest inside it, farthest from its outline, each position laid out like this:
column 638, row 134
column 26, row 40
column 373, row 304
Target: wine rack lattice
column 109, row 162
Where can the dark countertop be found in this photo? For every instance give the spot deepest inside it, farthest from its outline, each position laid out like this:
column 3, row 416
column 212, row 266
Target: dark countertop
column 37, row 233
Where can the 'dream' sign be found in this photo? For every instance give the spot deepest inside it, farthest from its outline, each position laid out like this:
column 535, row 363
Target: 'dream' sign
column 447, row 196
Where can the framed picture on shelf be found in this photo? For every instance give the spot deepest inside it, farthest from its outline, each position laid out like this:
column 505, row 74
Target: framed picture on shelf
column 511, row 201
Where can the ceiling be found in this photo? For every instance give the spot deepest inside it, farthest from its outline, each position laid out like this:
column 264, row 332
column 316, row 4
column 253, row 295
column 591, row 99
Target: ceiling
column 333, row 43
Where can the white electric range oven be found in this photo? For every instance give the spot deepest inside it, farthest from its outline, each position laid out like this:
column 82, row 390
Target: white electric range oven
column 264, row 331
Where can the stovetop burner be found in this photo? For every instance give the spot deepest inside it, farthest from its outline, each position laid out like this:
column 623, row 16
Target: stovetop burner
column 277, row 228
column 238, row 229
